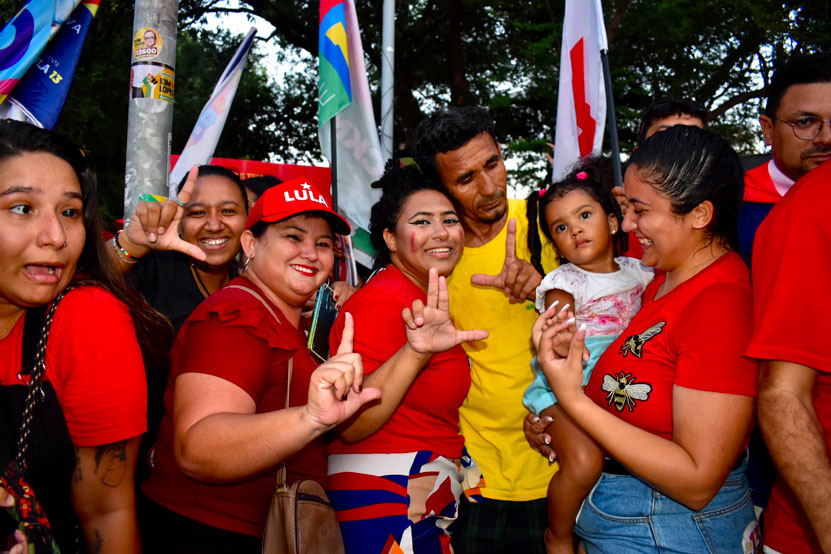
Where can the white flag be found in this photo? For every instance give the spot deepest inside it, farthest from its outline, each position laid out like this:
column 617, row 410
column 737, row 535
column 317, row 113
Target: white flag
column 581, row 102
column 359, row 160
column 205, row 135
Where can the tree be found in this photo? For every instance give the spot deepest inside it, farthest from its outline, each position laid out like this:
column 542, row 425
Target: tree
column 498, row 53
column 505, row 55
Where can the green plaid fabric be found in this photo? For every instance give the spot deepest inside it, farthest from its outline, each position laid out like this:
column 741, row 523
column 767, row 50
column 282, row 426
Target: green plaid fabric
column 500, row 526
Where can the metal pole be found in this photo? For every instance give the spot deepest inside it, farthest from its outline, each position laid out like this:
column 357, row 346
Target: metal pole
column 334, row 170
column 150, row 116
column 610, row 111
column 387, row 78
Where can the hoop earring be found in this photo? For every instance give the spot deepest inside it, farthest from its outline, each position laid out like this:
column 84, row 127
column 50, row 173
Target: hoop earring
column 247, row 262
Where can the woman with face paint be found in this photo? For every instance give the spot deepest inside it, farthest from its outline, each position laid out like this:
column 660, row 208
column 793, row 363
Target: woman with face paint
column 405, row 449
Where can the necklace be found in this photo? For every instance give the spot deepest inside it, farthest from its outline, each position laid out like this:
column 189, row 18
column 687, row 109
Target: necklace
column 204, row 289
column 8, row 328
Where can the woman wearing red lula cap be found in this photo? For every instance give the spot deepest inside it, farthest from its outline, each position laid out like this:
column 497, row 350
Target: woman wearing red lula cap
column 226, row 428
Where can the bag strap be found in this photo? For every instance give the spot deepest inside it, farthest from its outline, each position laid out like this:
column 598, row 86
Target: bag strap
column 281, row 474
column 35, row 392
column 256, row 295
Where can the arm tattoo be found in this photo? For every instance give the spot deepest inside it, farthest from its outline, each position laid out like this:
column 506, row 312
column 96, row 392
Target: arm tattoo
column 77, row 475
column 111, row 463
column 98, row 544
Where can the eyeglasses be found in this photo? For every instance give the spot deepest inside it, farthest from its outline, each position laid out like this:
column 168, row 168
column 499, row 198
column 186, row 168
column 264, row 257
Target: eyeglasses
column 807, row 127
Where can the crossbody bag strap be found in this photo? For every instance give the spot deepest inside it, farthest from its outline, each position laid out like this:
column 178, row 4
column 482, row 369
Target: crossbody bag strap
column 281, row 475
column 256, row 295
column 35, row 392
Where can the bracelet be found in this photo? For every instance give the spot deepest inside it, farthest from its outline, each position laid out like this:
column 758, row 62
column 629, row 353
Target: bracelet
column 123, row 254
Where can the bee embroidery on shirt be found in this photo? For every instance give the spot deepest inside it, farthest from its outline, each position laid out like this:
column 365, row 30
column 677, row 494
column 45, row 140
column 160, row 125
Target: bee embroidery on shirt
column 634, row 344
column 623, row 391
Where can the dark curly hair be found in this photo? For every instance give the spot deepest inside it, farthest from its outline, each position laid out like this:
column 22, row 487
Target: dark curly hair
column 398, row 183
column 445, row 130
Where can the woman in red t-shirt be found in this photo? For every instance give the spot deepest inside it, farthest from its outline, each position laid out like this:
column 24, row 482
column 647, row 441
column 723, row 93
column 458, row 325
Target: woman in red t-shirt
column 226, row 429
column 394, row 475
column 91, row 409
column 671, row 400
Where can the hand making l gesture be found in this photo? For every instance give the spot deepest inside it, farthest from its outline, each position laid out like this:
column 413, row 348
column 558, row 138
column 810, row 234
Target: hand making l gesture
column 155, row 225
column 335, row 388
column 518, row 278
column 429, row 328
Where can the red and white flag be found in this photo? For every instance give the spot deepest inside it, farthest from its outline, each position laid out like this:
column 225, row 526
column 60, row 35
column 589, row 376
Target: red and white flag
column 581, row 102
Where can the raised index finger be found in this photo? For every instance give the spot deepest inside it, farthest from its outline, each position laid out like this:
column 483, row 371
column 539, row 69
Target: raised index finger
column 510, row 242
column 187, row 190
column 345, row 346
column 433, row 288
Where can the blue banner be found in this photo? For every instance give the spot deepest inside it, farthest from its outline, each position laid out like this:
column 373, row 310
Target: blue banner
column 40, row 94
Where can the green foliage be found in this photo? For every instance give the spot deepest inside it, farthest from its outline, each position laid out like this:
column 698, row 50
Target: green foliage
column 503, row 54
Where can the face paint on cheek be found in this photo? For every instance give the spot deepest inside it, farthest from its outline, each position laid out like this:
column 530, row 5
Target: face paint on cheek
column 413, row 242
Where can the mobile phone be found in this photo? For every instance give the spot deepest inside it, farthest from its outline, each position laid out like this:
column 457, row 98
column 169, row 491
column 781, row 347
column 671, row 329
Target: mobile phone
column 322, row 320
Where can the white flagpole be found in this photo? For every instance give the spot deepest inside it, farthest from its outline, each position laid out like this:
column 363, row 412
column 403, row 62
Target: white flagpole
column 387, row 81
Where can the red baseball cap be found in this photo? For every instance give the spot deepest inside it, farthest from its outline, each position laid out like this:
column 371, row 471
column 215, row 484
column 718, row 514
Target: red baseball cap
column 294, row 197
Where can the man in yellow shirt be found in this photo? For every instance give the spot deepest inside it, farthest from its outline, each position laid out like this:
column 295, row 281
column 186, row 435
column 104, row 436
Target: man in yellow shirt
column 491, row 288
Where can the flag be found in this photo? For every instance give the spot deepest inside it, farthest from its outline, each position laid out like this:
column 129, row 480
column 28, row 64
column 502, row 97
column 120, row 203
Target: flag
column 25, row 36
column 334, row 85
column 205, row 135
column 40, row 95
column 344, row 91
column 581, row 102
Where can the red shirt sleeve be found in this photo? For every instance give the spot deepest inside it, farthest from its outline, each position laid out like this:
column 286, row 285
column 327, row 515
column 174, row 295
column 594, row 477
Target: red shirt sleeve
column 94, row 362
column 222, row 350
column 791, row 292
column 711, row 336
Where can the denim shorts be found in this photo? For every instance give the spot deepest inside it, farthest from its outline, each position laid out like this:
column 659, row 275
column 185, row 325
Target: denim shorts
column 622, row 514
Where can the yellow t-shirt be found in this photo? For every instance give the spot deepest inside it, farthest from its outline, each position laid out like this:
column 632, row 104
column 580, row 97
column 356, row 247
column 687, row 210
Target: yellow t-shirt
column 491, row 415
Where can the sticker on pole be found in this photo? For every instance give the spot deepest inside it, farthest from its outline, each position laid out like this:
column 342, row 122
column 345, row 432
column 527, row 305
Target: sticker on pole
column 151, row 80
column 147, row 44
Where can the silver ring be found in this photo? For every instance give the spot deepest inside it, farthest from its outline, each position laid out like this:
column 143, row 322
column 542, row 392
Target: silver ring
column 183, row 204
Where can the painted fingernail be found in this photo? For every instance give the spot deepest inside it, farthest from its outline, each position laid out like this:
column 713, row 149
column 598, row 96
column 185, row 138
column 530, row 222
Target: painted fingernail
column 161, row 230
column 564, row 308
column 548, row 419
column 547, row 440
column 151, row 237
column 570, row 320
column 551, row 458
column 582, row 327
column 536, row 419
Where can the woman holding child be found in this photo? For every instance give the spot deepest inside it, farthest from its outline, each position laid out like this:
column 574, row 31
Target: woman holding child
column 670, row 403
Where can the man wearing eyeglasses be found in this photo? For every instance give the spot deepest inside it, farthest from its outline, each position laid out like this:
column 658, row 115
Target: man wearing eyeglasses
column 797, row 127
column 792, row 303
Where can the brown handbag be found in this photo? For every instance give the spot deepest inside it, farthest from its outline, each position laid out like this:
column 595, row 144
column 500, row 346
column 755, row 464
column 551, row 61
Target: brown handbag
column 301, row 520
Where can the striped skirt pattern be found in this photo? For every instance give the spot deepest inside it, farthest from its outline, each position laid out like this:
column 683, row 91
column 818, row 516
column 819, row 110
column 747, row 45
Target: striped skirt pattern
column 395, row 503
